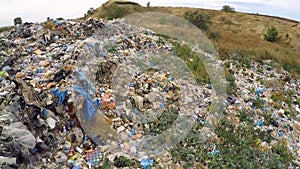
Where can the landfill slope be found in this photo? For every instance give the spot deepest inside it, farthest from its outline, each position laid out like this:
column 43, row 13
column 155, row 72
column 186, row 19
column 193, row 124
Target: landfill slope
column 60, row 109
column 230, row 32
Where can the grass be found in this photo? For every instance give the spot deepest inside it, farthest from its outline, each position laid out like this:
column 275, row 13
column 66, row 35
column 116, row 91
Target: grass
column 279, row 96
column 163, row 122
column 276, row 83
column 192, row 60
column 6, row 28
column 125, row 162
column 238, row 149
column 113, row 9
column 298, row 101
column 106, row 164
column 240, row 32
column 258, row 103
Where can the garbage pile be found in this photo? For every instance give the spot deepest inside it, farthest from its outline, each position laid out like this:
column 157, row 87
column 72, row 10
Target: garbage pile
column 86, row 94
column 270, row 97
column 47, row 109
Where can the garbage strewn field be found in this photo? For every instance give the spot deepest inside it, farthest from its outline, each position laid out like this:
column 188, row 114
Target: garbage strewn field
column 60, row 106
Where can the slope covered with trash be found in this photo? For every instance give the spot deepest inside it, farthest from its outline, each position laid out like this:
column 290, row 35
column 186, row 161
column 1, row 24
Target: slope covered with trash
column 106, row 93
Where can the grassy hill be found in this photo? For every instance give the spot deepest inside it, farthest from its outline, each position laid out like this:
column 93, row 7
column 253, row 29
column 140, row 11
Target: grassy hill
column 231, row 32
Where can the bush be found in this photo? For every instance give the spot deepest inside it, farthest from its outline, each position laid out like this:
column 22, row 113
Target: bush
column 162, row 20
column 193, row 62
column 281, row 96
column 238, row 148
column 90, row 11
column 258, row 103
column 60, row 19
column 231, row 87
column 18, row 21
column 215, row 35
column 198, row 18
column 227, row 8
column 115, row 13
column 271, row 35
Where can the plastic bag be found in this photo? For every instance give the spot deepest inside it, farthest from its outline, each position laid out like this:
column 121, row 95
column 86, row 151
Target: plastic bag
column 7, row 118
column 90, row 106
column 21, row 136
column 61, row 95
column 145, row 163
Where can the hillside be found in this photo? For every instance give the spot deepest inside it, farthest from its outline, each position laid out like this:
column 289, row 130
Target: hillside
column 231, row 32
column 117, row 93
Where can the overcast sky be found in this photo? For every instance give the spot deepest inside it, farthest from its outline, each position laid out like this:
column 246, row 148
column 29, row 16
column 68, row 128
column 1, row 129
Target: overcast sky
column 39, row 10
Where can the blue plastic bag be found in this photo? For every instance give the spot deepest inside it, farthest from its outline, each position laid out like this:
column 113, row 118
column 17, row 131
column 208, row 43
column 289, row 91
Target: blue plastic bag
column 132, row 132
column 215, row 152
column 57, row 23
column 145, row 163
column 61, row 95
column 259, row 90
column 259, row 123
column 90, row 106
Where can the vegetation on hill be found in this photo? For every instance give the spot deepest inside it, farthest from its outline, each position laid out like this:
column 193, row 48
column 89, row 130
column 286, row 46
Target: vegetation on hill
column 231, row 32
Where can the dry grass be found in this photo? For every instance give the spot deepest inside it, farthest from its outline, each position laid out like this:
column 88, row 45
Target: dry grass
column 6, row 28
column 238, row 32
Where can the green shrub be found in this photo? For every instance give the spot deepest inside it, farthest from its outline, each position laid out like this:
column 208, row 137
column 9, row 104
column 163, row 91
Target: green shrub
column 238, row 148
column 280, row 96
column 244, row 116
column 258, row 103
column 115, row 13
column 125, row 162
column 60, row 19
column 272, row 35
column 193, row 62
column 162, row 122
column 227, row 64
column 215, row 35
column 162, row 20
column 260, row 70
column 198, row 18
column 163, row 36
column 18, row 21
column 298, row 101
column 231, row 87
column 90, row 12
column 107, row 164
column 227, row 8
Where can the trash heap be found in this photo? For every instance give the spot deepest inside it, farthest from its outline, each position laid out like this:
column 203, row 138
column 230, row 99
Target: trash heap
column 45, row 79
column 86, row 95
column 266, row 96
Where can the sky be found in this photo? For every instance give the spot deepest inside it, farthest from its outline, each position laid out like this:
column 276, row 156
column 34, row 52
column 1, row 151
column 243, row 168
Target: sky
column 39, row 10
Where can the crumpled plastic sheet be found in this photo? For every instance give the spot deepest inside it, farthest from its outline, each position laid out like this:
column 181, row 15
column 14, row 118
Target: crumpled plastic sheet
column 22, row 136
column 7, row 117
column 17, row 130
column 61, row 95
column 90, row 106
